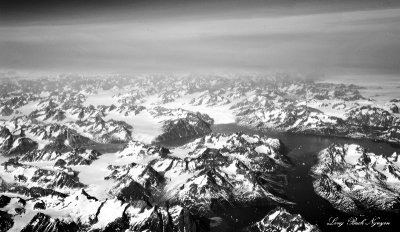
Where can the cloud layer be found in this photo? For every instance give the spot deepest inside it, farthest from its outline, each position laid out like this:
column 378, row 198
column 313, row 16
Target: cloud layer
column 363, row 41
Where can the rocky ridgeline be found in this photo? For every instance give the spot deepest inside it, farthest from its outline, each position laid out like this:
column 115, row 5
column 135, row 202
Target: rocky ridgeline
column 49, row 121
column 135, row 182
column 57, row 143
column 88, row 121
column 49, row 137
column 103, row 131
column 211, row 99
column 179, row 123
column 208, row 176
column 376, row 122
column 17, row 177
column 301, row 107
column 280, row 219
column 280, row 102
column 354, row 180
column 95, row 123
column 74, row 157
column 82, row 212
column 163, row 190
column 11, row 145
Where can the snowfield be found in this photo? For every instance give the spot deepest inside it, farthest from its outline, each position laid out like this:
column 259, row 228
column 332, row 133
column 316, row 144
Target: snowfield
column 85, row 154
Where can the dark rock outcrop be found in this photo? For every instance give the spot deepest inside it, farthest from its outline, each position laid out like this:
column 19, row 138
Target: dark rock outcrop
column 6, row 221
column 44, row 223
column 193, row 125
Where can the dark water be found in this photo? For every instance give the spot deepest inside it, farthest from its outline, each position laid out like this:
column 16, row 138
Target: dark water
column 303, row 151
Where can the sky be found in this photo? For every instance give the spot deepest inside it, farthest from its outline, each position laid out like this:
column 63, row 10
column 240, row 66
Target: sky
column 353, row 36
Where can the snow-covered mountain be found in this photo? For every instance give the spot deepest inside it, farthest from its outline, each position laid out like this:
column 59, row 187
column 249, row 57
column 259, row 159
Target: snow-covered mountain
column 280, row 219
column 114, row 109
column 354, row 180
column 81, row 153
column 82, row 212
column 149, row 186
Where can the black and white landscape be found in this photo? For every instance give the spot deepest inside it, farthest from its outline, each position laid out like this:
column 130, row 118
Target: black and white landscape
column 259, row 116
column 188, row 153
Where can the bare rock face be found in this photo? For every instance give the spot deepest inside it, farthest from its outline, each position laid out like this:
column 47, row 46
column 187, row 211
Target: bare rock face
column 367, row 117
column 6, row 140
column 105, row 131
column 62, row 139
column 209, row 176
column 394, row 109
column 182, row 124
column 82, row 212
column 11, row 145
column 4, row 132
column 42, row 222
column 6, row 221
column 29, row 176
column 22, row 146
column 353, row 179
column 135, row 182
column 226, row 171
column 4, row 200
column 280, row 219
column 74, row 157
column 32, row 191
column 6, row 111
column 88, row 120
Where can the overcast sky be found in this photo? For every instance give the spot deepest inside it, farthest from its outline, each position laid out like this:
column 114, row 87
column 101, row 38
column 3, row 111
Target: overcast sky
column 190, row 36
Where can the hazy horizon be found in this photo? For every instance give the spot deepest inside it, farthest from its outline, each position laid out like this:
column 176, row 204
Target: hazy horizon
column 334, row 37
